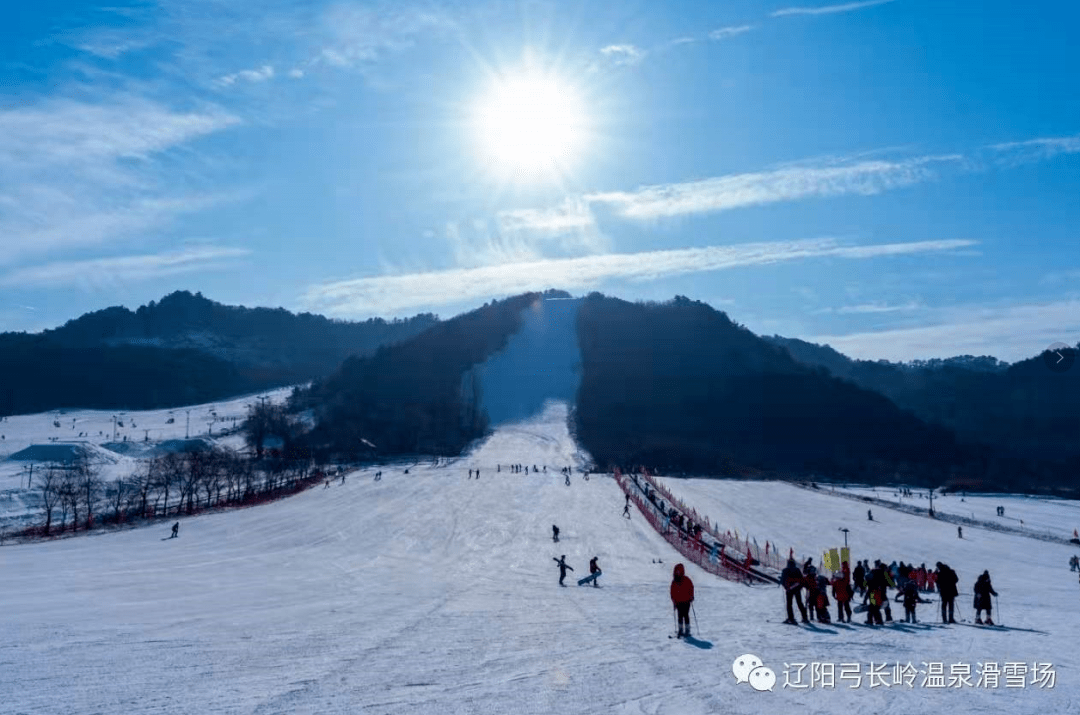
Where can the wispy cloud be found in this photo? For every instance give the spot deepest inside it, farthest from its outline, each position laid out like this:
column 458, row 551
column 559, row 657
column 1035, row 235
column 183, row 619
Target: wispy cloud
column 876, row 308
column 521, row 235
column 828, row 9
column 80, row 172
column 395, row 293
column 738, row 190
column 623, row 54
column 1009, row 333
column 724, row 33
column 123, row 269
column 261, row 74
column 1038, row 149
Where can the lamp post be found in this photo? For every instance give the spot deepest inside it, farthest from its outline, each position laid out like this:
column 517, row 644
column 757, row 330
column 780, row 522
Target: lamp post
column 845, row 530
column 931, row 501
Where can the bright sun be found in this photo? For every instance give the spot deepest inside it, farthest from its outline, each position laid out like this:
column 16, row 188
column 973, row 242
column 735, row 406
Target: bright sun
column 530, row 126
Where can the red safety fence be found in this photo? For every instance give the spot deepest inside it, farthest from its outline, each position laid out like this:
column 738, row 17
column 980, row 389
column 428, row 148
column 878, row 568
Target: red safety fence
column 768, row 556
column 715, row 561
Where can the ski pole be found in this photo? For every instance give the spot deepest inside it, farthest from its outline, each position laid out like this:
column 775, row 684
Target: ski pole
column 997, row 602
column 694, row 611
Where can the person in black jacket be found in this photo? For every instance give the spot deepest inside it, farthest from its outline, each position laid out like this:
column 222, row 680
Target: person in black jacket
column 983, row 591
column 791, row 578
column 563, row 567
column 860, row 578
column 946, row 585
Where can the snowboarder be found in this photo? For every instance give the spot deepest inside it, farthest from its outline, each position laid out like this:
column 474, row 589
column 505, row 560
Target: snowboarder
column 563, row 567
column 869, row 515
column 983, row 591
column 175, row 530
column 682, row 596
column 959, row 532
column 841, row 591
column 946, row 585
column 792, row 581
column 555, row 533
column 594, row 568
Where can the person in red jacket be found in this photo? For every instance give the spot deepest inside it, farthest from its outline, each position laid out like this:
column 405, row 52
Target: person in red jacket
column 682, row 595
column 842, row 592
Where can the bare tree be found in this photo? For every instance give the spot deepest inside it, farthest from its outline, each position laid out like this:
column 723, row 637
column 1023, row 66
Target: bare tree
column 89, row 485
column 50, row 495
column 69, row 499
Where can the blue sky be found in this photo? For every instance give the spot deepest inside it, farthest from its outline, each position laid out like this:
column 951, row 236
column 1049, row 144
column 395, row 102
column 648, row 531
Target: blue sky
column 898, row 178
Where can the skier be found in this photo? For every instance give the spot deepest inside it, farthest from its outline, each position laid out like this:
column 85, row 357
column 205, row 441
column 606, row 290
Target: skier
column 911, row 598
column 682, row 595
column 477, row 473
column 860, row 578
column 470, row 474
column 841, row 591
column 946, row 584
column 594, row 568
column 792, row 581
column 983, row 591
column 869, row 515
column 175, row 530
column 810, row 580
column 959, row 532
column 876, row 591
column 563, row 566
column 626, row 510
column 822, row 602
column 1074, row 563
column 555, row 533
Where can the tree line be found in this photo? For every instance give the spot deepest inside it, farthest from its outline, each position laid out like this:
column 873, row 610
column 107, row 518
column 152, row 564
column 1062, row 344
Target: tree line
column 74, row 496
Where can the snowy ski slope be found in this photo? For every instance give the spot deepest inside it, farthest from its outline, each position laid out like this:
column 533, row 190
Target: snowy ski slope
column 434, row 593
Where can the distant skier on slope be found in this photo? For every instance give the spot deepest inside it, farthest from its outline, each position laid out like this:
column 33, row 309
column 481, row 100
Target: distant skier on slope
column 555, row 533
column 869, row 515
column 626, row 510
column 983, row 591
column 959, row 532
column 563, row 567
column 682, row 596
column 175, row 530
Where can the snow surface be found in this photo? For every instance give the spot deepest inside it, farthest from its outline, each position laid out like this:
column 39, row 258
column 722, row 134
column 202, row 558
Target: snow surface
column 434, row 593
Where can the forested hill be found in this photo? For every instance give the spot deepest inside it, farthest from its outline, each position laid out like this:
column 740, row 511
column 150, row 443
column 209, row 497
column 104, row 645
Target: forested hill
column 184, row 348
column 1025, row 409
column 420, row 396
column 709, row 396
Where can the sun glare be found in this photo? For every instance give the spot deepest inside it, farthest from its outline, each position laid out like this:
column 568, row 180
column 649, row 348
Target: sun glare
column 530, row 127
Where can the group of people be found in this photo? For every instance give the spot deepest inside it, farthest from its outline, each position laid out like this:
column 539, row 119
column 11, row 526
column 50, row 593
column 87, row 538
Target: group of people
column 594, row 568
column 873, row 583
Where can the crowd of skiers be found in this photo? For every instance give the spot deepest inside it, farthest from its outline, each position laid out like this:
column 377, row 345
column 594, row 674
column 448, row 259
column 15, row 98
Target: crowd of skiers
column 872, row 585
